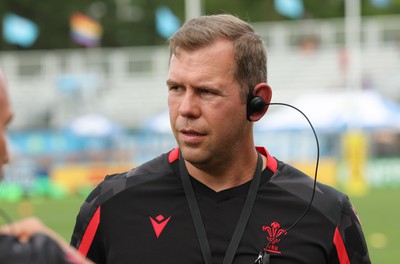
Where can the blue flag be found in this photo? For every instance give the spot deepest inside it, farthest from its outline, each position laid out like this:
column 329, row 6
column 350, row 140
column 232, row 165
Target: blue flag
column 166, row 22
column 380, row 3
column 290, row 8
column 19, row 30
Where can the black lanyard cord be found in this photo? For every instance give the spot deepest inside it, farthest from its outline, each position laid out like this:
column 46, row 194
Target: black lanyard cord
column 195, row 211
column 198, row 221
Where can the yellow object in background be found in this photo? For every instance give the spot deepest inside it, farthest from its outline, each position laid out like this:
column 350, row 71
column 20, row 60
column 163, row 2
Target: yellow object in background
column 355, row 155
column 327, row 170
column 75, row 177
column 72, row 177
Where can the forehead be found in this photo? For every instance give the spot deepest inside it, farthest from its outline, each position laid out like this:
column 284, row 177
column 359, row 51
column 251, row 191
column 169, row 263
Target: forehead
column 216, row 59
column 3, row 89
column 218, row 48
column 5, row 105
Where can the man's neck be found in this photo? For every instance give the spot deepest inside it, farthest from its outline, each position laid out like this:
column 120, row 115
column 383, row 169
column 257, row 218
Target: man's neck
column 227, row 175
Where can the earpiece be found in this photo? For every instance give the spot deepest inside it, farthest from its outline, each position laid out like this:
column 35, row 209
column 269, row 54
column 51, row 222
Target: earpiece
column 254, row 104
column 257, row 104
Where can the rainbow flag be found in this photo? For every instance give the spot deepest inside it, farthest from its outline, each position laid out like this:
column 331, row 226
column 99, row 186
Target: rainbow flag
column 85, row 31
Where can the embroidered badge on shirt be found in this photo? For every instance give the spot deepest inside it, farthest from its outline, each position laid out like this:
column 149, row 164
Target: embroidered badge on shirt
column 159, row 224
column 274, row 233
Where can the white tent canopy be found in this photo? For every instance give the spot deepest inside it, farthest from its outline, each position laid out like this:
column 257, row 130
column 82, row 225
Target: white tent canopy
column 93, row 125
column 335, row 111
column 158, row 123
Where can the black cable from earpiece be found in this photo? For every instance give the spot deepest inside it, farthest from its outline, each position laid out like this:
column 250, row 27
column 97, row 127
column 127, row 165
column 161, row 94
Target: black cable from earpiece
column 264, row 257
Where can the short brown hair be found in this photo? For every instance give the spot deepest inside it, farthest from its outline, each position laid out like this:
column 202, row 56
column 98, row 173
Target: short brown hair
column 249, row 49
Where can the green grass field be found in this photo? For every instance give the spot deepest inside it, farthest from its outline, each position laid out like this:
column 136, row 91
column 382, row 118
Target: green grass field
column 379, row 212
column 59, row 214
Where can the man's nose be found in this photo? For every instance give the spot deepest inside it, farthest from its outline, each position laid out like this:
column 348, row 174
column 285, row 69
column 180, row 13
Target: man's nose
column 6, row 157
column 189, row 105
column 6, row 154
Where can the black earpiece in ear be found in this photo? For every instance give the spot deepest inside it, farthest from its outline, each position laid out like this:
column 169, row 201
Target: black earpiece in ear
column 254, row 104
column 257, row 104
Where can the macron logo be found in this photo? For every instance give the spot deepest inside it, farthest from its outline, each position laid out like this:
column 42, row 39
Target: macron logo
column 159, row 224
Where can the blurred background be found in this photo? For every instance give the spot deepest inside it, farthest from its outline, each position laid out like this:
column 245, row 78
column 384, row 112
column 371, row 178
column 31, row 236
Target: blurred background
column 87, row 83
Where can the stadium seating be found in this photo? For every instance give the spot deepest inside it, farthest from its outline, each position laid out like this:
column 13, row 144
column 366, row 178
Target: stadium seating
column 50, row 88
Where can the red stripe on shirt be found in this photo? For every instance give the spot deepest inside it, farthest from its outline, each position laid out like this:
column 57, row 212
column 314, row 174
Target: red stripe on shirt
column 173, row 155
column 340, row 248
column 89, row 234
column 272, row 164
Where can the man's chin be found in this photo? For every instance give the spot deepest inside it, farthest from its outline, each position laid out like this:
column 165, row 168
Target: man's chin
column 192, row 155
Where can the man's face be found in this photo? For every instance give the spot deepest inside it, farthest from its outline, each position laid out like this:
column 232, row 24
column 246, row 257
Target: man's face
column 207, row 114
column 5, row 118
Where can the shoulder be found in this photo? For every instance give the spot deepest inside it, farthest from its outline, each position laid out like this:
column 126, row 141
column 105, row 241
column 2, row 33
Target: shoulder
column 116, row 183
column 288, row 176
column 331, row 205
column 327, row 200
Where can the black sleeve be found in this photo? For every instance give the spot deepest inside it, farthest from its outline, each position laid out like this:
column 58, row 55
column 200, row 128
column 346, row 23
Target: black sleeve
column 39, row 249
column 84, row 216
column 86, row 236
column 349, row 242
column 96, row 252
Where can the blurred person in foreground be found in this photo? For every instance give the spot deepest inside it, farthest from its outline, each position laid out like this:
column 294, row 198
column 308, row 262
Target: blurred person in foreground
column 217, row 198
column 28, row 240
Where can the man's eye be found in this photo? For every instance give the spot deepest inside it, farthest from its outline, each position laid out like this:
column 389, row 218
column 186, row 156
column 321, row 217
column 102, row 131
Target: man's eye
column 175, row 88
column 206, row 91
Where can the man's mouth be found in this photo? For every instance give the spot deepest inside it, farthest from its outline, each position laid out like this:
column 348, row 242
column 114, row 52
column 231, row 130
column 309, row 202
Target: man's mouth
column 191, row 133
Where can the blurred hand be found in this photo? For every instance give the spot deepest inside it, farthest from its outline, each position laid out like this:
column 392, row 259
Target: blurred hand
column 24, row 229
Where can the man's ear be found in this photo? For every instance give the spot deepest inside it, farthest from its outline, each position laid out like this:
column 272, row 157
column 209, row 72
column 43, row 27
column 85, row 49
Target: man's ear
column 263, row 91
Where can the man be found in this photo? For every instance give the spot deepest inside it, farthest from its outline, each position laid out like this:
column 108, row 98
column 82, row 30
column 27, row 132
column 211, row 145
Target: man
column 217, row 198
column 35, row 242
column 6, row 115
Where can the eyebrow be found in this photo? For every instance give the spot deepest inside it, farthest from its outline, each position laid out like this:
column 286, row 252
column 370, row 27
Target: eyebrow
column 171, row 82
